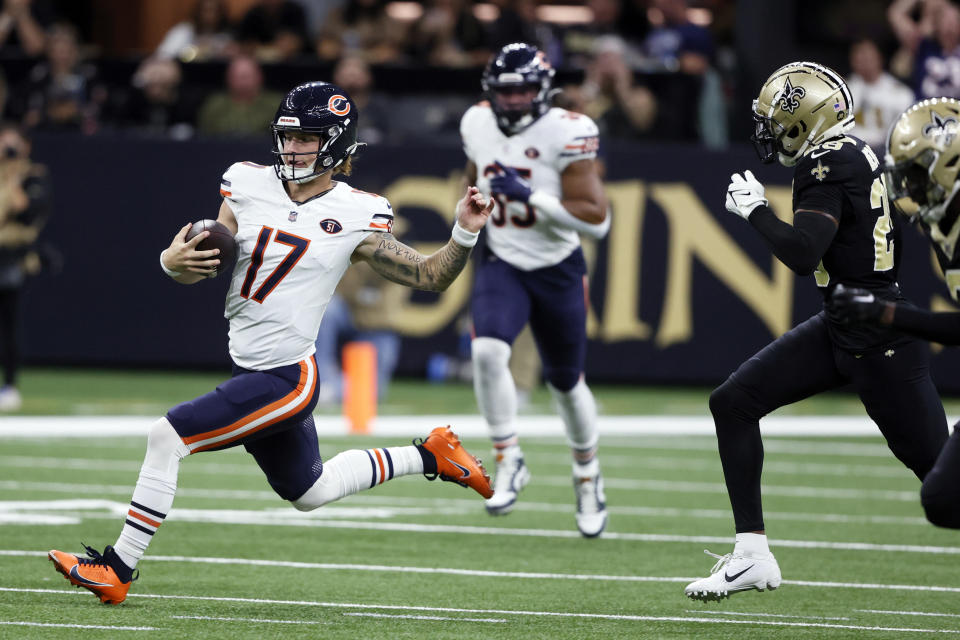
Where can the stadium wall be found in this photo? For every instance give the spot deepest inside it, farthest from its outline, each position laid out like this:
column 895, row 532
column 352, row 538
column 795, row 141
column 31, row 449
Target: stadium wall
column 681, row 291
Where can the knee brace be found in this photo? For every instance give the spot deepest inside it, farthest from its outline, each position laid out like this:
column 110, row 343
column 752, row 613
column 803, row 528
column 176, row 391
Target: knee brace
column 491, row 356
column 165, row 449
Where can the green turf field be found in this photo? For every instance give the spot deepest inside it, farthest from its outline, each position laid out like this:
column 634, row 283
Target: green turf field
column 112, row 392
column 412, row 559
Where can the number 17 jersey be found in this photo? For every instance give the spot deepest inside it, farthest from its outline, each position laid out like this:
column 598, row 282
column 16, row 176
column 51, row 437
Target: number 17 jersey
column 291, row 258
column 516, row 232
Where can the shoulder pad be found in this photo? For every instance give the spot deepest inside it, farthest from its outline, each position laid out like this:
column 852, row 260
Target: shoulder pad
column 576, row 134
column 834, row 161
column 376, row 209
column 473, row 115
column 572, row 121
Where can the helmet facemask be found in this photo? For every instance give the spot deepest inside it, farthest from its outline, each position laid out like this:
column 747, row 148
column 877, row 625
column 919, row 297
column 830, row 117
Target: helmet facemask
column 514, row 120
column 317, row 162
column 914, row 189
column 511, row 118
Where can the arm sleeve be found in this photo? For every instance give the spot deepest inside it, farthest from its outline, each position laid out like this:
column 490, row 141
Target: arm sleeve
column 936, row 327
column 799, row 246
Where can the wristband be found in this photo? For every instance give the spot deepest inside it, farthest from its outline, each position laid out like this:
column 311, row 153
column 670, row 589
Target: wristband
column 169, row 272
column 463, row 237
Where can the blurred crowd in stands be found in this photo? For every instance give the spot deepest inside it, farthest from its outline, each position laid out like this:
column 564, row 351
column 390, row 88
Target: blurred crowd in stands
column 211, row 75
column 643, row 69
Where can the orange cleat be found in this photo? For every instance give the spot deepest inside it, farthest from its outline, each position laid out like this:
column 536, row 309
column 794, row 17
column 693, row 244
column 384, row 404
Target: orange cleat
column 96, row 573
column 455, row 464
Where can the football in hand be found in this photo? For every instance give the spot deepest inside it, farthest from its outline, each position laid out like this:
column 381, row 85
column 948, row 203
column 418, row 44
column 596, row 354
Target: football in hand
column 219, row 238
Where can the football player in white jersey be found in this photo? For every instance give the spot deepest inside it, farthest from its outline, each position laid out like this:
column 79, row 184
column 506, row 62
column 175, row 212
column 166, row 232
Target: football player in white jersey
column 538, row 164
column 297, row 231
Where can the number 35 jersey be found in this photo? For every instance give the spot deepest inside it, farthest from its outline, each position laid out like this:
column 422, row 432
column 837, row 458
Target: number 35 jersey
column 291, row 258
column 516, row 232
column 843, row 178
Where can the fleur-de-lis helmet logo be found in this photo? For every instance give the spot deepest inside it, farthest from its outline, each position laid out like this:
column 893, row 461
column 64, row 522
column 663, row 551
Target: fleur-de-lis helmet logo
column 942, row 130
column 789, row 98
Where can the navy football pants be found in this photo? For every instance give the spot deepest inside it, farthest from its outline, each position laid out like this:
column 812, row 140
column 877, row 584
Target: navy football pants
column 552, row 300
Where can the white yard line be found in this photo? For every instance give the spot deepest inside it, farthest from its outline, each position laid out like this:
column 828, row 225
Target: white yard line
column 67, row 511
column 620, row 484
column 292, row 520
column 409, row 617
column 763, row 615
column 640, row 462
column 586, row 577
column 21, row 623
column 793, row 491
column 509, row 612
column 911, row 613
column 608, row 461
column 258, row 620
column 466, row 425
column 779, row 446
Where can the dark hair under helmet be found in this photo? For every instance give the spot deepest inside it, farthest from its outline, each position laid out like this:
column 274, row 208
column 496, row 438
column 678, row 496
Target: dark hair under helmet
column 318, row 108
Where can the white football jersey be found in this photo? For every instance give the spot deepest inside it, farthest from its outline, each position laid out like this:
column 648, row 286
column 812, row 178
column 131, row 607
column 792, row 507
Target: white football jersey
column 516, row 232
column 291, row 258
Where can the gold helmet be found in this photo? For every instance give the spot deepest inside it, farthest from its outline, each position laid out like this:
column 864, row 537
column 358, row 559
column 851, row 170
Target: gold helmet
column 923, row 158
column 800, row 105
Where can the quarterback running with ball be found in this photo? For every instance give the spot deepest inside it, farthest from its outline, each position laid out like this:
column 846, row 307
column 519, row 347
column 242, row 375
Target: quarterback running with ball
column 298, row 230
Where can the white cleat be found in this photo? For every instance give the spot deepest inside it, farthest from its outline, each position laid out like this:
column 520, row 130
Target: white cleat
column 591, row 505
column 511, row 477
column 735, row 572
column 10, row 399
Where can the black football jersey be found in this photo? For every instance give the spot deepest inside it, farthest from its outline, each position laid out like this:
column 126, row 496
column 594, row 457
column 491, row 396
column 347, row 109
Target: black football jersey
column 843, row 178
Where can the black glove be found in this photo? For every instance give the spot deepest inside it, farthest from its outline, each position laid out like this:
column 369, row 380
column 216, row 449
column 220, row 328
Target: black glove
column 856, row 306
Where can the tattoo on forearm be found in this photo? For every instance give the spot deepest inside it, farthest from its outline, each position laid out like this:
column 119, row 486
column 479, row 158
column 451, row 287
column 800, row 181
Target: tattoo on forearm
column 399, row 263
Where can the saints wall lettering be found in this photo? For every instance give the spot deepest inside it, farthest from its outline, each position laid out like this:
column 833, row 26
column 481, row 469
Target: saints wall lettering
column 694, row 235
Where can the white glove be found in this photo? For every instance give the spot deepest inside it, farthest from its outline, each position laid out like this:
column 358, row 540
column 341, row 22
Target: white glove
column 744, row 194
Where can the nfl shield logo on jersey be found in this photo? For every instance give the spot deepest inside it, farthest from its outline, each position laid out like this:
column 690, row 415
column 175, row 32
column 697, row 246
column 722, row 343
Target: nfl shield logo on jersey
column 331, row 226
column 292, row 217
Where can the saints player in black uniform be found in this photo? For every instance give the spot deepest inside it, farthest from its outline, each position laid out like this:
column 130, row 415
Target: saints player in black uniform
column 842, row 233
column 922, row 170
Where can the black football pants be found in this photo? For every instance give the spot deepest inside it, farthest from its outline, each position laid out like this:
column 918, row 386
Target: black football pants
column 894, row 386
column 940, row 494
column 9, row 352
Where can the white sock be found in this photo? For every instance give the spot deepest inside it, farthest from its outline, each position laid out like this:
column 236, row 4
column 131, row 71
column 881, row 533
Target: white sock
column 495, row 389
column 154, row 493
column 578, row 410
column 752, row 544
column 355, row 470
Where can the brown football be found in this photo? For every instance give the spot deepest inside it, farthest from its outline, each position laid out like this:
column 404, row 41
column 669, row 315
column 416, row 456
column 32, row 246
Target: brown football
column 219, row 238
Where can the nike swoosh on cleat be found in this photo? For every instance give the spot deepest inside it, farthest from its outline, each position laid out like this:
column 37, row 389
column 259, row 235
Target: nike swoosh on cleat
column 734, row 577
column 90, row 583
column 466, row 472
